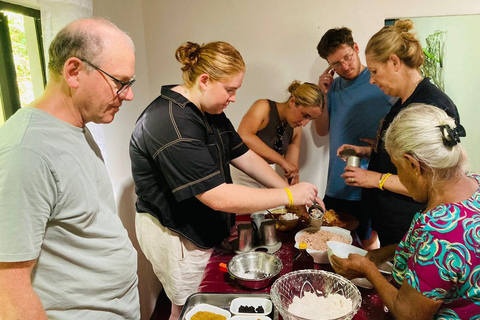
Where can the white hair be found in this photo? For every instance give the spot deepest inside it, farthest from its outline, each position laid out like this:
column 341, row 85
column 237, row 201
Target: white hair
column 416, row 131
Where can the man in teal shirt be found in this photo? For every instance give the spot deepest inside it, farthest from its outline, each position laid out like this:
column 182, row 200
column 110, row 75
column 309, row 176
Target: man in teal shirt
column 354, row 110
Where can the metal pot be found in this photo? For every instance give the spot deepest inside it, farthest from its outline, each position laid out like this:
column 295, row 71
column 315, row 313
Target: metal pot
column 254, row 270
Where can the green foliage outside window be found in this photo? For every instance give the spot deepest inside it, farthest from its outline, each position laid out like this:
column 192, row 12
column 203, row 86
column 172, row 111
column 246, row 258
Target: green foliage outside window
column 22, row 67
column 20, row 56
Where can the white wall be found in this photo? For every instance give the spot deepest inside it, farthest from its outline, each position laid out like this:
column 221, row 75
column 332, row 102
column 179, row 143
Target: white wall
column 277, row 39
column 128, row 15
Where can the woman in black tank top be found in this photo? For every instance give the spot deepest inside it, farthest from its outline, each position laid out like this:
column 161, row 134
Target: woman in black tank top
column 273, row 129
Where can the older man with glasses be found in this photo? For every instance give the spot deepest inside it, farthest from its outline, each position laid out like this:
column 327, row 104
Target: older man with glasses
column 64, row 253
column 354, row 110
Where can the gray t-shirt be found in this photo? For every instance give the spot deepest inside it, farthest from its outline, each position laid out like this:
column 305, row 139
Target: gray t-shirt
column 57, row 206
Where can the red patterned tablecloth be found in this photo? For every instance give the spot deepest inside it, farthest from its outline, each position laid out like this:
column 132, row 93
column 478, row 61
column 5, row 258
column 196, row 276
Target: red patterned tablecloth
column 215, row 280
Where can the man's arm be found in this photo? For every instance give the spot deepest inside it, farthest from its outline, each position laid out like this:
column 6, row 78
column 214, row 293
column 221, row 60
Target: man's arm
column 18, row 300
column 322, row 123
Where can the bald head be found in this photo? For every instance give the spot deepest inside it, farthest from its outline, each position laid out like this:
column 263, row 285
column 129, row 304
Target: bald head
column 85, row 39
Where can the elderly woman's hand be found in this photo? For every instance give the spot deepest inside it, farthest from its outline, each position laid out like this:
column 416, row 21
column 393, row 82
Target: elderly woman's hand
column 355, row 266
column 384, row 254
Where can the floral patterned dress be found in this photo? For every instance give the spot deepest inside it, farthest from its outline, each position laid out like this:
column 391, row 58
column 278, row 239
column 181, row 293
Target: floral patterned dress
column 440, row 257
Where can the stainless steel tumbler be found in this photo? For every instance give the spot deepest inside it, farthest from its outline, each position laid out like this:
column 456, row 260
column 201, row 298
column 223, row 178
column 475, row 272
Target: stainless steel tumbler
column 245, row 237
column 268, row 232
column 353, row 161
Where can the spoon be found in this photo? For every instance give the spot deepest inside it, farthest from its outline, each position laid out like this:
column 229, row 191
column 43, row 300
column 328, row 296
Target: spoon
column 271, row 215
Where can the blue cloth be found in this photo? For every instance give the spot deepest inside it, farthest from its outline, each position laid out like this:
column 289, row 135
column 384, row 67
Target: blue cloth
column 355, row 109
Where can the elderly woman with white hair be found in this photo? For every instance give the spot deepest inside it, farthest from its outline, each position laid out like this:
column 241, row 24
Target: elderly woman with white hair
column 436, row 270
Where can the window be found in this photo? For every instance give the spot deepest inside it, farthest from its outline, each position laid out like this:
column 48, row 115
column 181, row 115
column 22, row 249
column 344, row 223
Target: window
column 22, row 63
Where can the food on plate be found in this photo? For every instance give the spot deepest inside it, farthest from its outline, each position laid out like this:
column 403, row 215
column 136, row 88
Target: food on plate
column 206, row 315
column 311, row 306
column 318, row 240
column 250, row 309
column 332, row 219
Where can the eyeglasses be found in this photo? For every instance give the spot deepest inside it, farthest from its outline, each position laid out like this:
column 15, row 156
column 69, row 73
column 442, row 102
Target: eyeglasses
column 278, row 144
column 346, row 59
column 123, row 85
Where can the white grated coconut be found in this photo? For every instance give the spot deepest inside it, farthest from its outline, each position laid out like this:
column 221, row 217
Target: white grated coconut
column 312, row 306
column 288, row 216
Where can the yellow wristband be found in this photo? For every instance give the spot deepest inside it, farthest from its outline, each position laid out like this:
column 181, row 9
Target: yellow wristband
column 383, row 178
column 290, row 198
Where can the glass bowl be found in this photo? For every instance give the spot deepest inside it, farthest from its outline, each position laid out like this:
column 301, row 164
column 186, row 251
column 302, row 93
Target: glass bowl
column 294, row 284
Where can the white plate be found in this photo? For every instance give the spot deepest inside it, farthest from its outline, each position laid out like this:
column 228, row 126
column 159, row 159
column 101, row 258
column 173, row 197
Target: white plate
column 322, row 256
column 362, row 282
column 209, row 308
column 266, row 304
column 250, row 318
column 342, row 250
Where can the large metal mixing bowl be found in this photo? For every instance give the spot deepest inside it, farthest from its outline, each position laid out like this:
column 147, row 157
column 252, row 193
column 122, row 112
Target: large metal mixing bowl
column 254, row 270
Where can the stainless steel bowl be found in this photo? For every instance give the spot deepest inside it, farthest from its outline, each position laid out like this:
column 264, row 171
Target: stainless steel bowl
column 254, row 270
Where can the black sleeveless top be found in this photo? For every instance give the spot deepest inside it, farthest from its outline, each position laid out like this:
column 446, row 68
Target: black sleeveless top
column 392, row 213
column 272, row 132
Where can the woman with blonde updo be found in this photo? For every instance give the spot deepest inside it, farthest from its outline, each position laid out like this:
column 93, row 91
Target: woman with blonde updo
column 436, row 266
column 394, row 56
column 180, row 149
column 274, row 129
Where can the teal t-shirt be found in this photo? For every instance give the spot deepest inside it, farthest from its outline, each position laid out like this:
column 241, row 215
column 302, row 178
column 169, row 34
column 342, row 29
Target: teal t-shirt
column 57, row 206
column 355, row 109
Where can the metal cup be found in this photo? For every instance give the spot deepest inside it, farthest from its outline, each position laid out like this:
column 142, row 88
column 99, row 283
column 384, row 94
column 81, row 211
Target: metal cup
column 347, row 152
column 245, row 237
column 268, row 232
column 353, row 161
column 257, row 219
